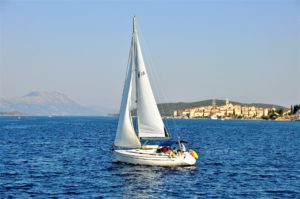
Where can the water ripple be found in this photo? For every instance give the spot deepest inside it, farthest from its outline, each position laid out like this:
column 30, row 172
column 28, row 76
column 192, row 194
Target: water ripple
column 66, row 157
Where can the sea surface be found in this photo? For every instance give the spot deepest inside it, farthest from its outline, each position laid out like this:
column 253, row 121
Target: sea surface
column 67, row 157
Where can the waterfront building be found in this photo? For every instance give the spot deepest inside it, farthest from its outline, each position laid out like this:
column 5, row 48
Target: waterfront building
column 206, row 112
column 222, row 111
column 245, row 111
column 252, row 111
column 266, row 111
column 184, row 112
column 199, row 113
column 175, row 113
column 237, row 110
column 259, row 112
column 230, row 110
column 192, row 113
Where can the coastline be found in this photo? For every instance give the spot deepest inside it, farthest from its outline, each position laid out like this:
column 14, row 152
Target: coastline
column 234, row 119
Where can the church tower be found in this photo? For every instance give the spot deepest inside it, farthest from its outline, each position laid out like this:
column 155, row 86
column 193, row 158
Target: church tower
column 214, row 104
column 227, row 101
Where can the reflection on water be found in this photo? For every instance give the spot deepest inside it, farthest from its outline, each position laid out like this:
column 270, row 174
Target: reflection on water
column 148, row 181
column 142, row 178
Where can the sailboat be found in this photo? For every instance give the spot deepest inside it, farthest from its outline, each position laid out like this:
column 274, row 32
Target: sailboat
column 128, row 147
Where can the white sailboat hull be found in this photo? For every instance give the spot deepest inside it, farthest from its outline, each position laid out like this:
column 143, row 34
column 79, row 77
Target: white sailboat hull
column 152, row 158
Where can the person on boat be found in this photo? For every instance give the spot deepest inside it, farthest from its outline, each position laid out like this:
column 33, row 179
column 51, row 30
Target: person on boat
column 174, row 150
column 182, row 146
column 165, row 149
column 180, row 152
column 158, row 150
column 171, row 154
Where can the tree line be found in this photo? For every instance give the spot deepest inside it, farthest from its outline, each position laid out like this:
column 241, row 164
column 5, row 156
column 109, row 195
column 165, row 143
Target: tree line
column 294, row 109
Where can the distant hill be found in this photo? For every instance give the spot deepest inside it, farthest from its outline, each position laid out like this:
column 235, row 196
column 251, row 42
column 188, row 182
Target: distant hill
column 13, row 113
column 167, row 109
column 45, row 103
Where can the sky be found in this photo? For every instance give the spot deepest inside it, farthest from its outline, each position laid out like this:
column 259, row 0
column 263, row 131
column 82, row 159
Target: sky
column 248, row 51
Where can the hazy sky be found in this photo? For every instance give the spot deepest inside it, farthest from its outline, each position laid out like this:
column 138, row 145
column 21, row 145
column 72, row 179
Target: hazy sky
column 248, row 51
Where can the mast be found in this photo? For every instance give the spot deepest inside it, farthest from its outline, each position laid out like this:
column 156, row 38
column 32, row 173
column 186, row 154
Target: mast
column 133, row 25
column 134, row 32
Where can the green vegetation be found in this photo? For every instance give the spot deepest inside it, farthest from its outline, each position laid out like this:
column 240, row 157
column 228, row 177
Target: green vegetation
column 273, row 115
column 265, row 117
column 294, row 109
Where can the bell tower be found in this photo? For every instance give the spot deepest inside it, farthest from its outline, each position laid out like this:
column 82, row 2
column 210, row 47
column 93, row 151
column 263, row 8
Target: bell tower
column 227, row 101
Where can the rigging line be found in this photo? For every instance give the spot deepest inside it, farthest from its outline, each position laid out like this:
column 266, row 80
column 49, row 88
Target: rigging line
column 127, row 70
column 155, row 75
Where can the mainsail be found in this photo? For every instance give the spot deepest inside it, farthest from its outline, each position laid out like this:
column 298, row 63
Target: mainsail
column 150, row 123
column 126, row 136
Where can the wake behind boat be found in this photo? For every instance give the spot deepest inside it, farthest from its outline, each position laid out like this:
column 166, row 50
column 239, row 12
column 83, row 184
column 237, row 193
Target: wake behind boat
column 127, row 144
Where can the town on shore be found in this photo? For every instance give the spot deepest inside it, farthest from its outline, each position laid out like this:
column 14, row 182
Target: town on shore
column 231, row 111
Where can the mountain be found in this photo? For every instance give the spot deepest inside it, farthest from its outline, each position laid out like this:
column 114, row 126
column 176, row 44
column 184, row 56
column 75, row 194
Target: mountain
column 13, row 113
column 167, row 109
column 45, row 103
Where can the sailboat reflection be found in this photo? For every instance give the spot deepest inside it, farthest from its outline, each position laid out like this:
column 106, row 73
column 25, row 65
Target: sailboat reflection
column 148, row 180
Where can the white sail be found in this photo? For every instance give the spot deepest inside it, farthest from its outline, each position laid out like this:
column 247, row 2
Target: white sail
column 150, row 123
column 126, row 136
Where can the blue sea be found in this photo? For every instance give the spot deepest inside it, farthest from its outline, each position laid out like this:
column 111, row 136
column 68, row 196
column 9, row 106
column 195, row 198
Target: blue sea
column 67, row 157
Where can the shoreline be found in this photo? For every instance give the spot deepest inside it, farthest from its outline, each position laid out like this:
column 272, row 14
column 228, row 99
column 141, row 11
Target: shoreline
column 164, row 117
column 235, row 119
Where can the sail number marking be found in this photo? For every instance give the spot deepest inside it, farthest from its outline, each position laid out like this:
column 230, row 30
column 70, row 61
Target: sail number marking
column 141, row 73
